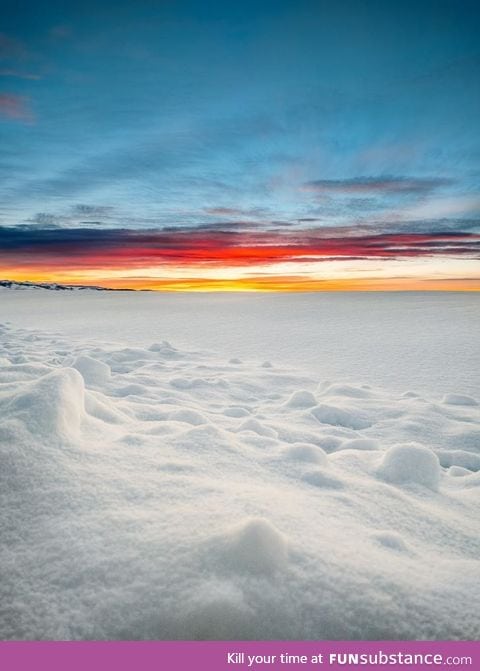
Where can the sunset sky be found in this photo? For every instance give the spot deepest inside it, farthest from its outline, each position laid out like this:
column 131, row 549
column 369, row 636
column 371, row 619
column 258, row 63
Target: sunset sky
column 219, row 145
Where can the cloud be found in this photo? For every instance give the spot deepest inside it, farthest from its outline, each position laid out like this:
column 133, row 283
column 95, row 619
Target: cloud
column 459, row 205
column 123, row 248
column 80, row 209
column 15, row 107
column 236, row 212
column 378, row 185
column 75, row 216
column 48, row 220
column 224, row 226
column 19, row 75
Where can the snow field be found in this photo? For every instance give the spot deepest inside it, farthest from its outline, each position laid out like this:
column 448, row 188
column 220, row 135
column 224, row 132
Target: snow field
column 149, row 492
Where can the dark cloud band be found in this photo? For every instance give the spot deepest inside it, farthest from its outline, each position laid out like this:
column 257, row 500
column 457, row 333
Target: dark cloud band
column 123, row 248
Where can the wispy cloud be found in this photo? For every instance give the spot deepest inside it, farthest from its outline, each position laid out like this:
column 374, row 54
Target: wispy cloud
column 75, row 216
column 378, row 185
column 229, row 212
column 18, row 74
column 458, row 205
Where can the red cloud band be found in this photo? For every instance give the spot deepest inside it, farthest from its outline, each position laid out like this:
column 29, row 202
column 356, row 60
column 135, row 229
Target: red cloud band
column 90, row 248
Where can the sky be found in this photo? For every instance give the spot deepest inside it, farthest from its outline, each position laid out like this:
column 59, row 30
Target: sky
column 271, row 145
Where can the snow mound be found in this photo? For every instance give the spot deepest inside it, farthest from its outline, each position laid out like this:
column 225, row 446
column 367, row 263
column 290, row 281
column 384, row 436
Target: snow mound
column 458, row 471
column 301, row 399
column 463, row 458
column 459, row 399
column 392, row 541
column 306, row 452
column 163, row 348
column 348, row 390
column 188, row 416
column 350, row 419
column 410, row 394
column 52, row 407
column 113, row 497
column 98, row 406
column 94, row 372
column 360, row 444
column 318, row 478
column 236, row 411
column 411, row 464
column 257, row 427
column 256, row 547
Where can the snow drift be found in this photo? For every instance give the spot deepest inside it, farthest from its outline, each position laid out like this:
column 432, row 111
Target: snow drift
column 159, row 493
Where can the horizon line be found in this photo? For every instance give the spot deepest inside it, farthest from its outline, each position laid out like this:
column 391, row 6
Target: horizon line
column 262, row 285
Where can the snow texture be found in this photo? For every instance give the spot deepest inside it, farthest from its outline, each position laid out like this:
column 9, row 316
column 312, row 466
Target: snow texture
column 155, row 492
column 411, row 463
column 414, row 342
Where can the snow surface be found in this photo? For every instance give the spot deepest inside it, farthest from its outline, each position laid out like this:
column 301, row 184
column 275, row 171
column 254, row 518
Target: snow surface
column 149, row 491
column 424, row 342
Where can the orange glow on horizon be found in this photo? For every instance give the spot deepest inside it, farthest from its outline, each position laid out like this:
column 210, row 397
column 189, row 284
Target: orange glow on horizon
column 270, row 283
column 199, row 260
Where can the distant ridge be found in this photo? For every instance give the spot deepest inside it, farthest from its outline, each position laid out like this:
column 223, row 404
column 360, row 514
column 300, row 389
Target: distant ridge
column 53, row 286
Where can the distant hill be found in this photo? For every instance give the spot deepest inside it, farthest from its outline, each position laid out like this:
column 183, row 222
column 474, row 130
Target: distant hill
column 52, row 286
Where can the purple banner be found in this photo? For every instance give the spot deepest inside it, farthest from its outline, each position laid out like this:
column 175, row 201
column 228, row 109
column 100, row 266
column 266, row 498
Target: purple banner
column 238, row 655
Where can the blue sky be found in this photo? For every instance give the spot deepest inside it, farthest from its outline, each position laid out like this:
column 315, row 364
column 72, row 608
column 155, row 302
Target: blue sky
column 183, row 114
